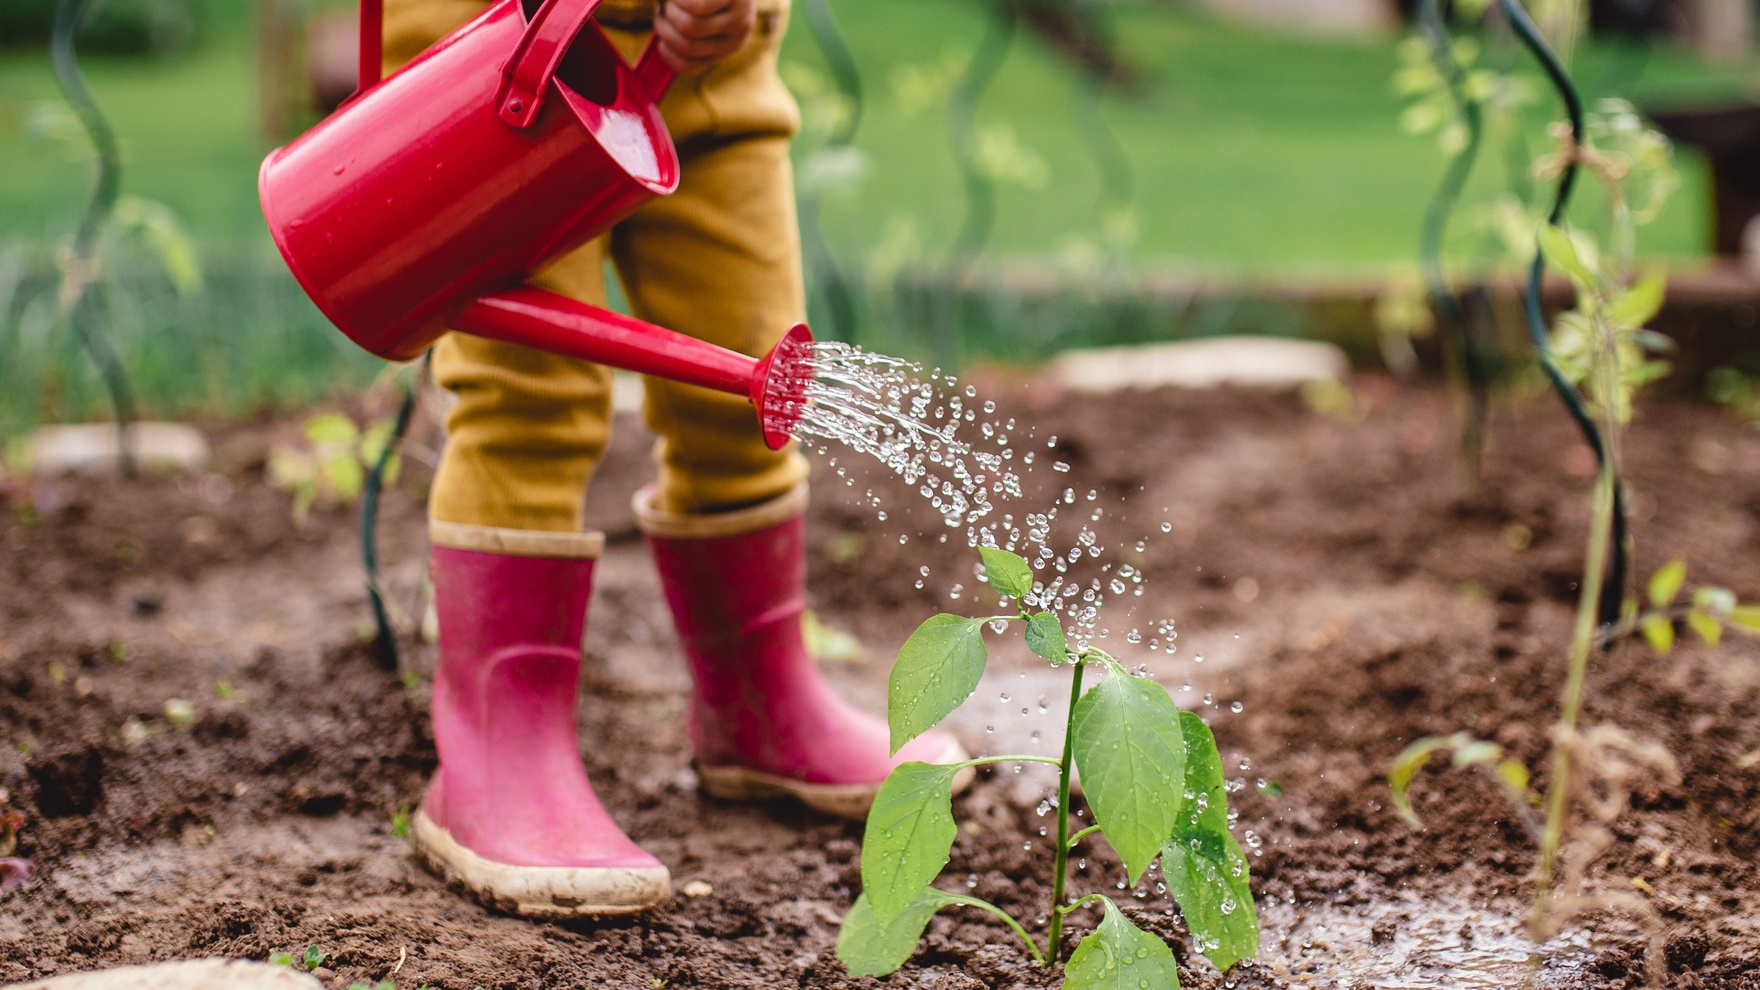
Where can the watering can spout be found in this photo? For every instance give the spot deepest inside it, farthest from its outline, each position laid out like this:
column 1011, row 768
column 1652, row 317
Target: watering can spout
column 776, row 384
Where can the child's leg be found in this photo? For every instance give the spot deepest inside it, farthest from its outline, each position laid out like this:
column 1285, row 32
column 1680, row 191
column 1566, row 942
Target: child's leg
column 529, row 427
column 720, row 260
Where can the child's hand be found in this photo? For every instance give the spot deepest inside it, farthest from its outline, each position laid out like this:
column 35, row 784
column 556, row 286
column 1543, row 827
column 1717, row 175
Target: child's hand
column 695, row 34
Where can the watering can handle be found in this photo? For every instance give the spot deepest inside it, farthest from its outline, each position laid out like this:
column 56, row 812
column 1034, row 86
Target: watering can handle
column 652, row 71
column 535, row 59
column 372, row 44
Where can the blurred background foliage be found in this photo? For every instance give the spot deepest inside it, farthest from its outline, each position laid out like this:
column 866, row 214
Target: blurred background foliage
column 1167, row 140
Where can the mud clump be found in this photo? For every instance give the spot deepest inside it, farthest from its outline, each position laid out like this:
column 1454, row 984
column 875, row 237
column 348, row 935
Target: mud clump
column 70, row 782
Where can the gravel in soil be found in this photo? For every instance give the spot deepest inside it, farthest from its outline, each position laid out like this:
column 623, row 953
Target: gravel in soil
column 211, row 759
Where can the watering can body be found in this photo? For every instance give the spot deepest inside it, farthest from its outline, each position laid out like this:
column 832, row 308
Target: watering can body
column 428, row 198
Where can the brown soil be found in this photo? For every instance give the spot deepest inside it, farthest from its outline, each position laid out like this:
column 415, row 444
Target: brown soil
column 1394, row 599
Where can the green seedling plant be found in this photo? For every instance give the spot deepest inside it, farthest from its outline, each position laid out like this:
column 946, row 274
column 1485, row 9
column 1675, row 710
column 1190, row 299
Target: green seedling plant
column 330, row 466
column 1598, row 354
column 1150, row 773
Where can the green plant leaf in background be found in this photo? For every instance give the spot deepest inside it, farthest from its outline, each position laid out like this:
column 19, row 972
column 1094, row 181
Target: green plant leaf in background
column 1404, row 769
column 1570, row 254
column 1008, row 572
column 870, row 948
column 1206, row 871
column 910, row 832
column 1706, row 625
column 937, row 670
column 1639, row 304
column 1658, row 631
column 1667, row 581
column 1121, row 956
column 1132, row 757
column 1045, row 637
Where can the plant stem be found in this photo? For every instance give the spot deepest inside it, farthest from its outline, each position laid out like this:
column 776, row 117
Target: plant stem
column 1032, row 947
column 1061, row 866
column 1084, row 833
column 1583, row 642
column 1078, row 902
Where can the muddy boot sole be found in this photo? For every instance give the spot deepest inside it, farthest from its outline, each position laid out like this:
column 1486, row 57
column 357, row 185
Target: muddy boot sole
column 849, row 801
column 548, row 892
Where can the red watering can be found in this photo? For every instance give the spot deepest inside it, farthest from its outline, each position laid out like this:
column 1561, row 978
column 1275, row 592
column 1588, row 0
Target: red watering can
column 428, row 198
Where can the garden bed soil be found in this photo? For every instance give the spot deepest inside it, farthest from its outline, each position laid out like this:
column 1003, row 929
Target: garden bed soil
column 1346, row 582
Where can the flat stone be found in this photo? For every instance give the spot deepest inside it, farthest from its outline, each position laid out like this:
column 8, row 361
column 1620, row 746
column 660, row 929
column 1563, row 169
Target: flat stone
column 196, row 974
column 91, row 448
column 1265, row 361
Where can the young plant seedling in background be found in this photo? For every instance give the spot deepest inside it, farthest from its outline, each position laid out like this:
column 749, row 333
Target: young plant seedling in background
column 1598, row 354
column 1151, row 774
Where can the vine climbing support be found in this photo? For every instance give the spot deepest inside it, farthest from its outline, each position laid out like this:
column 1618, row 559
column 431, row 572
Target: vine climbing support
column 77, row 303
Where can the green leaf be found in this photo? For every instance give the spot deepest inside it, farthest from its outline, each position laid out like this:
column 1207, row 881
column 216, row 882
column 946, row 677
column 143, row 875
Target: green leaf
column 1667, row 581
column 1719, row 600
column 1405, row 767
column 332, row 428
column 1515, row 774
column 870, row 948
column 345, row 476
column 1008, row 572
column 1639, row 304
column 1561, row 251
column 1746, row 616
column 314, row 957
column 937, row 670
column 1121, row 956
column 1045, row 637
column 910, row 833
column 1477, row 752
column 1205, row 869
column 1706, row 625
column 1658, row 632
column 1132, row 757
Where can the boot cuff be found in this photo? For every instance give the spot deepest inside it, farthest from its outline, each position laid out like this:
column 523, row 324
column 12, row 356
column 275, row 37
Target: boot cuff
column 515, row 542
column 680, row 526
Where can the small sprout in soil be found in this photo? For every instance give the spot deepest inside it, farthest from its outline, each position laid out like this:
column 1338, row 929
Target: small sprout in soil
column 313, row 957
column 411, row 680
column 1151, row 775
column 330, row 466
column 400, row 823
column 120, row 652
column 381, row 985
column 179, row 712
column 224, row 689
column 1269, row 788
column 281, row 959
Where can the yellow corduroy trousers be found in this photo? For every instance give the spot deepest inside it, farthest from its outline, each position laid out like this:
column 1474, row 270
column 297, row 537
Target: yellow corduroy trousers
column 719, row 260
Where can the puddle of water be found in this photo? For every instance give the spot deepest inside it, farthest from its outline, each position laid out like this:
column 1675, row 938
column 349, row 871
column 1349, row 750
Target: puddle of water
column 1406, row 942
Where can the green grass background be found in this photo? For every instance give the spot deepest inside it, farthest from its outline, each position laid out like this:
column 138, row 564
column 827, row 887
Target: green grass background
column 1254, row 153
column 1251, row 149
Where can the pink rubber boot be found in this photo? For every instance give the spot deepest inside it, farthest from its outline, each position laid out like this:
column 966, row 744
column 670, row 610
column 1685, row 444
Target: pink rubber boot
column 763, row 720
column 510, row 814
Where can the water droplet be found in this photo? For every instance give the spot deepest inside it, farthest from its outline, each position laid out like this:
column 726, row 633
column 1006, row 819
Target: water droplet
column 1236, row 707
